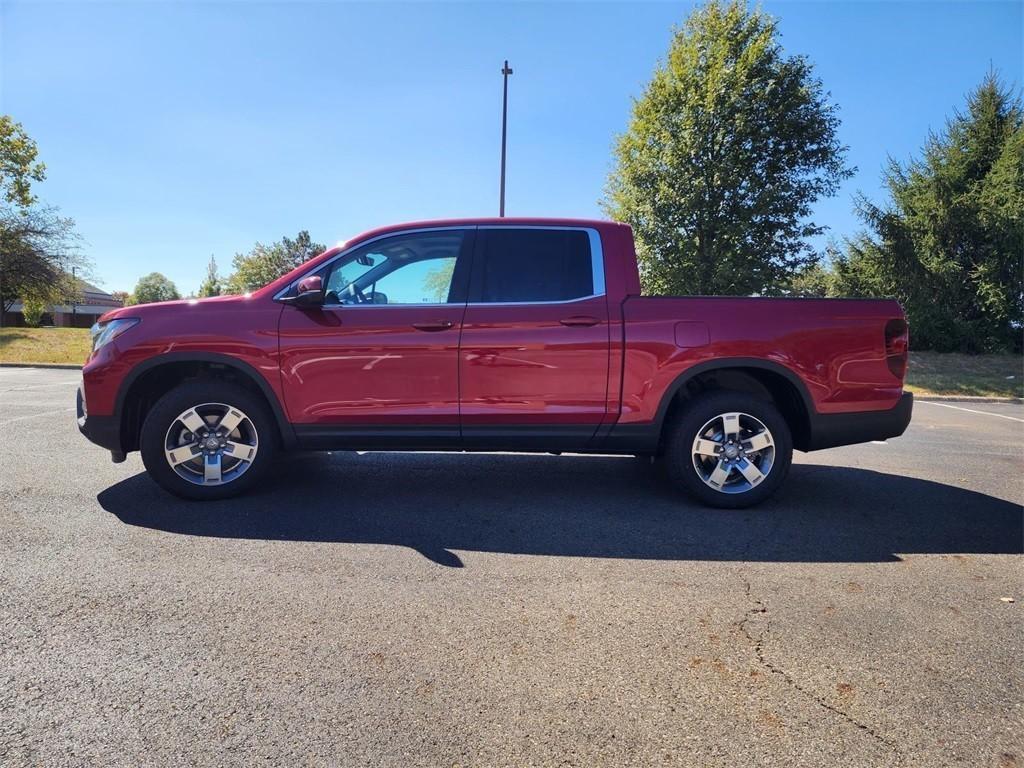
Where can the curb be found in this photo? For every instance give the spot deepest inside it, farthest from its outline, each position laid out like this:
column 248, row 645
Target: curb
column 968, row 399
column 64, row 366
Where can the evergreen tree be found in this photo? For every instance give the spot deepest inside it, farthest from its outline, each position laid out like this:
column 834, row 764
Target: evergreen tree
column 211, row 285
column 949, row 244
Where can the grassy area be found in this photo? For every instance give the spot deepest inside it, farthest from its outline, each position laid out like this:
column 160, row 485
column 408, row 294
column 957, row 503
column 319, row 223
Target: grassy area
column 940, row 373
column 930, row 372
column 44, row 345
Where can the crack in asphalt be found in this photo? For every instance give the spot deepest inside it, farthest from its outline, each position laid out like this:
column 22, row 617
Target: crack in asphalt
column 760, row 609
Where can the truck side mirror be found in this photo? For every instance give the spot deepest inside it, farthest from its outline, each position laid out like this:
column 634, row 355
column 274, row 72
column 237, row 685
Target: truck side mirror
column 309, row 292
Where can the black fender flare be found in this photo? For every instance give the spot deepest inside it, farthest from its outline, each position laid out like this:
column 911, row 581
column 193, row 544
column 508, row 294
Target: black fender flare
column 725, row 363
column 242, row 367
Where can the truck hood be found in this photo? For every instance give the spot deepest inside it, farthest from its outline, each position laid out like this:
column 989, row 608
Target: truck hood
column 183, row 306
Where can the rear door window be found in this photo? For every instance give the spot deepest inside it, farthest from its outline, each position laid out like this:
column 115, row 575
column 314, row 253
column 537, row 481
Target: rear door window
column 532, row 265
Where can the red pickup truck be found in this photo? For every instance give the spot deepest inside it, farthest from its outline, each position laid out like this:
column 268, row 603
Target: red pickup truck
column 485, row 335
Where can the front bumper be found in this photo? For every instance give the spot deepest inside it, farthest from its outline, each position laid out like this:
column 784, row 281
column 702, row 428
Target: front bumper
column 831, row 430
column 105, row 431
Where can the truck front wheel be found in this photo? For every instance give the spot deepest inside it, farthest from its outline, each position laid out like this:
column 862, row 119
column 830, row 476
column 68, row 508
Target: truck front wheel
column 208, row 440
column 728, row 449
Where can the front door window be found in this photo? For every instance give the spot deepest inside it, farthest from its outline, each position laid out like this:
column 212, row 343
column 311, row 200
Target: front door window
column 417, row 268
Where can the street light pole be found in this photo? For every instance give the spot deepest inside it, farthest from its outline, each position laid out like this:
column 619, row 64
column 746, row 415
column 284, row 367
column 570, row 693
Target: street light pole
column 505, row 71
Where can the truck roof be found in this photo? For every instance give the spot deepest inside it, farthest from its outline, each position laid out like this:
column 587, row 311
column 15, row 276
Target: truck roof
column 491, row 221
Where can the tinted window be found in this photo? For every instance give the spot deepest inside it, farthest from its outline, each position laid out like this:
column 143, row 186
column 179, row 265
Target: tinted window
column 527, row 265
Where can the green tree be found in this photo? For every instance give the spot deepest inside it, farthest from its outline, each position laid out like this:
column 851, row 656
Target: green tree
column 813, row 281
column 728, row 148
column 37, row 249
column 212, row 284
column 949, row 242
column 265, row 263
column 18, row 164
column 438, row 282
column 152, row 288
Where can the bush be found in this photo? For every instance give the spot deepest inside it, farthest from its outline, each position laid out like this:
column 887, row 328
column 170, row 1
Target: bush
column 33, row 310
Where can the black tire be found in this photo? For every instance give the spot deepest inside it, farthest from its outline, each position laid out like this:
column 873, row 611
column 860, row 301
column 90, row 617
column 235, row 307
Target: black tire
column 689, row 421
column 165, row 413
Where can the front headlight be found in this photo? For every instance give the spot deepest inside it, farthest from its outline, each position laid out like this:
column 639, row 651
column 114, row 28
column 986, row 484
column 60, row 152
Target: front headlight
column 104, row 333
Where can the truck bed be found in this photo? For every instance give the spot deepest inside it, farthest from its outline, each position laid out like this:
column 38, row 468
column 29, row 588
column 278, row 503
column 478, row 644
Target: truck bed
column 836, row 347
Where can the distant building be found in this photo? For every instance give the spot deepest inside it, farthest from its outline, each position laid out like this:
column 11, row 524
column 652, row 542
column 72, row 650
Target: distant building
column 82, row 314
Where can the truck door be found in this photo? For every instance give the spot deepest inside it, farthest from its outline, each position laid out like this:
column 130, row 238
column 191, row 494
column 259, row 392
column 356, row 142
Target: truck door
column 534, row 354
column 380, row 359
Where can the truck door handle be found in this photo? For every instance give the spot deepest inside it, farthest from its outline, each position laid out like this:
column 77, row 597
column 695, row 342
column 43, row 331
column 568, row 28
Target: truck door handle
column 580, row 320
column 436, row 325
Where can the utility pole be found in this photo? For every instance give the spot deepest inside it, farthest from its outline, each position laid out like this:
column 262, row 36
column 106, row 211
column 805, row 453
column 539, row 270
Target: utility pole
column 74, row 295
column 505, row 71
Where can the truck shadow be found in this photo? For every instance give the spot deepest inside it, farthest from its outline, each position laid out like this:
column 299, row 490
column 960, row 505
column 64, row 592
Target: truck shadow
column 581, row 507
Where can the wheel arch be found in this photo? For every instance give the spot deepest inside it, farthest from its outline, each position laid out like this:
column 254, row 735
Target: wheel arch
column 762, row 378
column 152, row 378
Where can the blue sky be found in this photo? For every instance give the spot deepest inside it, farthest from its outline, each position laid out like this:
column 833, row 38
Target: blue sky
column 173, row 131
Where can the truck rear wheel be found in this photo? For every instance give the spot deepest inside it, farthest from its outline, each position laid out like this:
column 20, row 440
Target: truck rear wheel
column 728, row 449
column 208, row 440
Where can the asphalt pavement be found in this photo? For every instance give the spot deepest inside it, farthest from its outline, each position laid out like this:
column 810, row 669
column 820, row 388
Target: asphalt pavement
column 420, row 609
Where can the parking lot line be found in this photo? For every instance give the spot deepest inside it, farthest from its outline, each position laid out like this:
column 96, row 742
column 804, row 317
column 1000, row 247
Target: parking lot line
column 41, row 386
column 36, row 415
column 971, row 410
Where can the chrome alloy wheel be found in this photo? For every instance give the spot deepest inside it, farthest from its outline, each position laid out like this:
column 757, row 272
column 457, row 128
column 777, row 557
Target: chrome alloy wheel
column 733, row 452
column 211, row 444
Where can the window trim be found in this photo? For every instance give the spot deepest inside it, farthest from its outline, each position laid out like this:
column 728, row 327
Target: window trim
column 597, row 266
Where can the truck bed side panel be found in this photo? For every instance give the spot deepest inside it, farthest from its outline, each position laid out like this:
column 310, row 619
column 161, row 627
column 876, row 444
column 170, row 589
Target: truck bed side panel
column 835, row 346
